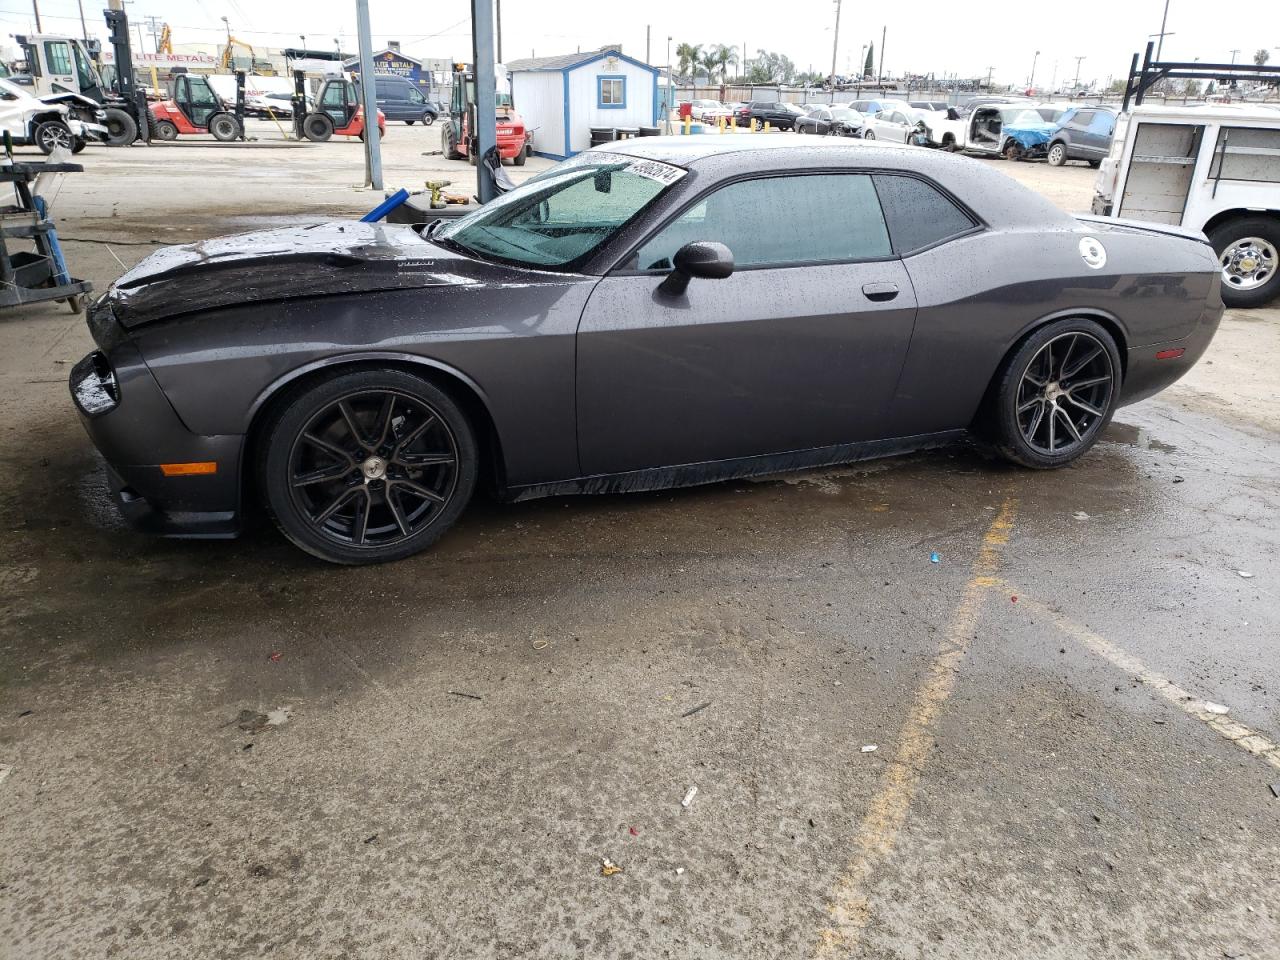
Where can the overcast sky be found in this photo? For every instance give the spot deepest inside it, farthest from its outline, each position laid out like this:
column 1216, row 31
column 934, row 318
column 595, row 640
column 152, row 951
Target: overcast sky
column 931, row 36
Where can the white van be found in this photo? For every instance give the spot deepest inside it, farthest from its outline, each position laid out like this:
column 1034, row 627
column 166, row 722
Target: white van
column 1213, row 167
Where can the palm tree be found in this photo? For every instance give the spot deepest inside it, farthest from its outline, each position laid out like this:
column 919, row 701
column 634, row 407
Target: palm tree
column 710, row 63
column 1262, row 56
column 688, row 57
column 724, row 57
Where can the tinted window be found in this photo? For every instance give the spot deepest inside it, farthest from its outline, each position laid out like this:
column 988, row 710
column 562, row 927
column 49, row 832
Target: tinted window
column 1082, row 118
column 334, row 95
column 829, row 217
column 1103, row 124
column 59, row 56
column 918, row 214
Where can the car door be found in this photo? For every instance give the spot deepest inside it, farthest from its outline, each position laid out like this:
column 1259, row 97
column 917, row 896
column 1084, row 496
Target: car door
column 61, row 68
column 335, row 103
column 799, row 348
column 899, row 127
column 1100, row 131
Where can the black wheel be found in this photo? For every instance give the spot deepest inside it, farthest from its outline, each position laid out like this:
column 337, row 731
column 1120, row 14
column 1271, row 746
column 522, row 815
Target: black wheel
column 164, row 130
column 1094, row 163
column 53, row 134
column 1057, row 155
column 317, row 127
column 368, row 466
column 224, row 127
column 522, row 156
column 1011, row 151
column 1055, row 393
column 868, row 135
column 79, row 145
column 428, row 118
column 122, row 129
column 1249, row 251
column 408, row 123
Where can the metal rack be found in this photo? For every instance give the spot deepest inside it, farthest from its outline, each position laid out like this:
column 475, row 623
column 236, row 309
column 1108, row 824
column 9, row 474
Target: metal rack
column 1144, row 76
column 30, row 276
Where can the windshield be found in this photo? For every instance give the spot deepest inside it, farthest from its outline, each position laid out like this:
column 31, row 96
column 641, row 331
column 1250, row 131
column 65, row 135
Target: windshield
column 1022, row 118
column 846, row 115
column 560, row 217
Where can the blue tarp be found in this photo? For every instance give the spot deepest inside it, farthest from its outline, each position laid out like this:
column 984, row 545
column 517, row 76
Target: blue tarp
column 1035, row 135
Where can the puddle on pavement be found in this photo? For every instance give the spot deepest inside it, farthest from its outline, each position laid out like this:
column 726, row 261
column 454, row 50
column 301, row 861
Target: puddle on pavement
column 1132, row 436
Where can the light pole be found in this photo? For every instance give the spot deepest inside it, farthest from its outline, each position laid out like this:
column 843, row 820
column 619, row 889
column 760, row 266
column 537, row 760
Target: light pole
column 303, row 38
column 671, row 87
column 862, row 63
column 1163, row 20
column 1076, row 85
column 835, row 43
column 1031, row 84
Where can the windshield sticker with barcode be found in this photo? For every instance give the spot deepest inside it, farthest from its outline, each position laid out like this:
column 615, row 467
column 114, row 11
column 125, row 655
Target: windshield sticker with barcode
column 656, row 170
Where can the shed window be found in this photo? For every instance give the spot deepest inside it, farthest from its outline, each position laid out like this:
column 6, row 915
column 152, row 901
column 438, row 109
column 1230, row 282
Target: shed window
column 611, row 92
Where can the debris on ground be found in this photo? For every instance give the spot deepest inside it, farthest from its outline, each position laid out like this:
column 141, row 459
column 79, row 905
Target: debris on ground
column 688, row 797
column 1275, row 789
column 1246, row 574
column 275, row 657
column 935, row 557
column 201, row 881
column 870, row 748
column 5, row 770
column 1218, row 708
column 250, row 721
column 460, row 693
column 698, row 709
column 633, row 831
column 278, row 717
column 540, row 644
column 679, row 871
column 1177, row 479
column 1081, row 515
column 25, row 713
column 1014, row 598
column 608, row 868
column 370, row 839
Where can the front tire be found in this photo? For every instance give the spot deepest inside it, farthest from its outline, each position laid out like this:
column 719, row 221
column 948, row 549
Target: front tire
column 1057, row 154
column 428, row 118
column 1055, row 394
column 317, row 127
column 53, row 134
column 224, row 127
column 1249, row 250
column 122, row 129
column 367, row 467
column 164, row 130
column 868, row 135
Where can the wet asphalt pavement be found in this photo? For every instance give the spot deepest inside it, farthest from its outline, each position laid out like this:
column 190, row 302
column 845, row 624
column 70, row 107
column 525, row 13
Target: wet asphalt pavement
column 232, row 750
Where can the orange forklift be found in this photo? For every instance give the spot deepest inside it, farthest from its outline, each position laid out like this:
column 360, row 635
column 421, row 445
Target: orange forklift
column 193, row 108
column 337, row 110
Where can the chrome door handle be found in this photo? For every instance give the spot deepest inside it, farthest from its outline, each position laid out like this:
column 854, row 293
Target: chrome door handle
column 879, row 291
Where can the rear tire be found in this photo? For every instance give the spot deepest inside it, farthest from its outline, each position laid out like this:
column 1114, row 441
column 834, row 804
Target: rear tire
column 1057, row 154
column 522, row 156
column 1255, row 237
column 164, row 130
column 1025, row 385
column 428, row 118
column 382, row 482
column 224, row 127
column 409, row 123
column 317, row 127
column 868, row 135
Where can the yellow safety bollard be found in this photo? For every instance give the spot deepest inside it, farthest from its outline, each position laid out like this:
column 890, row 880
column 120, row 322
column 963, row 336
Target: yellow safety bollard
column 688, row 126
column 765, row 128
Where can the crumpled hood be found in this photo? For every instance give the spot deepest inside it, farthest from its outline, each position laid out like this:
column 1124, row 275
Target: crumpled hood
column 342, row 257
column 1031, row 135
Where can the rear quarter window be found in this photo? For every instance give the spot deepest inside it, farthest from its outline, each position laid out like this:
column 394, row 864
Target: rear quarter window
column 918, row 214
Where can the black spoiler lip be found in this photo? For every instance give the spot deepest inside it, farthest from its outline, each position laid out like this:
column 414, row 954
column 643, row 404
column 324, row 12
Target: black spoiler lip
column 1168, row 230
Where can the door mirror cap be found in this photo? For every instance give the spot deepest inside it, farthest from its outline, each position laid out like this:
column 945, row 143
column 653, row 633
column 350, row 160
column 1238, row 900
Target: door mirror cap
column 702, row 258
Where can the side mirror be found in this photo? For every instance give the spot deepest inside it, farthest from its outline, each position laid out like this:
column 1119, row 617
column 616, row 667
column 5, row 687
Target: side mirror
column 705, row 259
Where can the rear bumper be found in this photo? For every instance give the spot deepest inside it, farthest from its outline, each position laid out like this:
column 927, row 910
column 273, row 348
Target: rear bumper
column 1146, row 375
column 131, row 422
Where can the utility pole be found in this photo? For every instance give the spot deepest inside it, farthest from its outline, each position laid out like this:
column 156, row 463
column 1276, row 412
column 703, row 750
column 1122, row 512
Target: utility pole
column 1076, row 85
column 1031, row 84
column 990, row 70
column 153, row 24
column 35, row 5
column 835, row 43
column 498, row 28
column 671, row 86
column 1233, row 52
column 880, row 73
column 368, row 96
column 84, row 28
column 648, row 31
column 862, row 63
column 486, row 111
column 1163, row 21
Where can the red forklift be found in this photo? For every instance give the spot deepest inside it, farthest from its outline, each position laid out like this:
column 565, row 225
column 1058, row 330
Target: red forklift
column 338, row 110
column 457, row 138
column 193, row 108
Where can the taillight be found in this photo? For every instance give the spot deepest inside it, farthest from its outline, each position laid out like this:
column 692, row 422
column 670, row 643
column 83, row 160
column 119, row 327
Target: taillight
column 93, row 385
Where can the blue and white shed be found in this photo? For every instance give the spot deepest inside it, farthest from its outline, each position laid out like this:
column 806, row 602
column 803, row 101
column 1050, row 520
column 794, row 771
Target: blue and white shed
column 562, row 98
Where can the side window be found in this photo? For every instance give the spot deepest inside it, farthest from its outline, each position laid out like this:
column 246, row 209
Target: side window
column 1104, row 124
column 898, row 117
column 611, row 92
column 58, row 54
column 415, row 95
column 918, row 214
column 830, row 218
column 1247, row 153
column 333, row 95
column 1083, row 119
column 382, row 90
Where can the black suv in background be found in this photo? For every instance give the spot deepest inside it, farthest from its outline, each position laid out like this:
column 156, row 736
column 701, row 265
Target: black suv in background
column 399, row 98
column 1084, row 133
column 780, row 115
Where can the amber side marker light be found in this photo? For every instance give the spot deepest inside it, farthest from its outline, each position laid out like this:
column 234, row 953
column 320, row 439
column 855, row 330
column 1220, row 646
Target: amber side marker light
column 1171, row 354
column 203, row 468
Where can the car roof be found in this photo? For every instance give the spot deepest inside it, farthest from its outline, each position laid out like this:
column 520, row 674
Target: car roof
column 1000, row 200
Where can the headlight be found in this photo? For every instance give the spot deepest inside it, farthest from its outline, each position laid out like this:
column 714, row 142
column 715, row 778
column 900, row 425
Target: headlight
column 93, row 385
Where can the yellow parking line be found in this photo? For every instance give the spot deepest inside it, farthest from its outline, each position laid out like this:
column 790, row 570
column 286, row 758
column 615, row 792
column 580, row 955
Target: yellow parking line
column 1247, row 739
column 888, row 809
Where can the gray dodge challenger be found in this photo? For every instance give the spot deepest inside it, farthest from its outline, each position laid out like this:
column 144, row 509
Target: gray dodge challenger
column 652, row 313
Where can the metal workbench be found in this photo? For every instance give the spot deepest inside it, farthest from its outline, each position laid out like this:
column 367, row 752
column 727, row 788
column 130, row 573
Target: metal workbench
column 30, row 276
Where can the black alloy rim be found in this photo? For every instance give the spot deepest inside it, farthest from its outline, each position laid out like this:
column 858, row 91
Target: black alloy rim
column 1064, row 393
column 373, row 468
